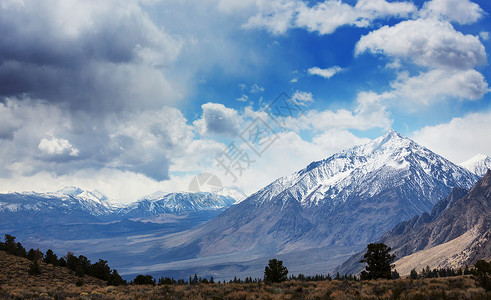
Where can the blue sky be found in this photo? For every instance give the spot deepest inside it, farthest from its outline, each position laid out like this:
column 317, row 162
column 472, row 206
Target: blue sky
column 138, row 96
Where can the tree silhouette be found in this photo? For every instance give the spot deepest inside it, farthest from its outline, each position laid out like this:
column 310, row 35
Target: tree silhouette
column 275, row 271
column 50, row 257
column 144, row 279
column 483, row 271
column 379, row 262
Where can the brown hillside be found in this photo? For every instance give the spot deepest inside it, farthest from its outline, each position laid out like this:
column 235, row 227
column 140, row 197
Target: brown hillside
column 14, row 278
column 59, row 283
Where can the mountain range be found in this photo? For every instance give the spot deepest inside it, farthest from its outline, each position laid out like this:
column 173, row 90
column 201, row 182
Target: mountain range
column 73, row 213
column 326, row 212
column 313, row 219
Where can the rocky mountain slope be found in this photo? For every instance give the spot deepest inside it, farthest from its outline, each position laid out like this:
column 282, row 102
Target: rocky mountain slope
column 456, row 233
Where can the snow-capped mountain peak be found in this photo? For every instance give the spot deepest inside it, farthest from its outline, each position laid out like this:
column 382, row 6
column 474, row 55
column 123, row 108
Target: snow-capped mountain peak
column 336, row 178
column 70, row 191
column 478, row 164
column 84, row 195
column 162, row 202
column 94, row 203
column 391, row 140
column 233, row 192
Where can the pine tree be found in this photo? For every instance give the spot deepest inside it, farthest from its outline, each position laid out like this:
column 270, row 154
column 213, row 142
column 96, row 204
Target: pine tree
column 50, row 257
column 115, row 279
column 10, row 246
column 275, row 271
column 379, row 262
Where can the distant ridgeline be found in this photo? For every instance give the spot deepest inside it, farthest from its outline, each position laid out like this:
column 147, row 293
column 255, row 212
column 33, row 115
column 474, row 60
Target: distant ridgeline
column 80, row 265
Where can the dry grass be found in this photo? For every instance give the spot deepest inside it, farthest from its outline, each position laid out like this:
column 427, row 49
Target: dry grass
column 59, row 283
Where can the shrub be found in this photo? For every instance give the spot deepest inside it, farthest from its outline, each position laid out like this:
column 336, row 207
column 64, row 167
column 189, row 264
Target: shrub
column 144, row 279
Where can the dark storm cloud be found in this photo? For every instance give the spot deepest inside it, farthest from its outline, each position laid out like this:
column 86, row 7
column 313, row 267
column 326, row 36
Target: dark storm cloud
column 91, row 55
column 77, row 82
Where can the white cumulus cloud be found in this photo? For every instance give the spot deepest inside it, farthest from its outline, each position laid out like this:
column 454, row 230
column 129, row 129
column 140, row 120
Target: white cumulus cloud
column 326, row 73
column 426, row 42
column 460, row 11
column 369, row 112
column 324, row 17
column 459, row 139
column 301, row 98
column 446, row 57
column 57, row 146
column 218, row 120
column 439, row 84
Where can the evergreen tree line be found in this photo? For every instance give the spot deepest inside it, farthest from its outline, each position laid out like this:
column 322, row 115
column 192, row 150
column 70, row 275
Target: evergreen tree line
column 193, row 280
column 441, row 272
column 270, row 278
column 322, row 277
column 481, row 271
column 80, row 265
column 482, row 267
column 378, row 260
column 196, row 280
